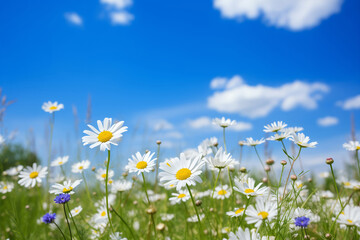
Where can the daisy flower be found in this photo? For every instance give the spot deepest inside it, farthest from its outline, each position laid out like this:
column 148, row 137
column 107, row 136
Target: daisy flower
column 6, row 187
column 222, row 192
column 220, row 160
column 101, row 174
column 76, row 211
column 223, row 122
column 350, row 216
column 107, row 134
column 13, row 171
column 120, row 186
column 80, row 166
column 251, row 142
column 116, row 236
column 302, row 141
column 51, row 107
column 102, row 202
column 181, row 196
column 292, row 129
column 166, row 217
column 275, row 126
column 101, row 215
column 248, row 188
column 237, row 212
column 66, row 187
column 182, row 171
column 195, row 219
column 241, row 234
column 263, row 210
column 59, row 161
column 141, row 163
column 31, row 175
column 352, row 146
column 279, row 136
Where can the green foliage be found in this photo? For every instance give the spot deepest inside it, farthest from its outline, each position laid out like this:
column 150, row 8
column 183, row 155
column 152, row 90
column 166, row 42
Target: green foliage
column 12, row 155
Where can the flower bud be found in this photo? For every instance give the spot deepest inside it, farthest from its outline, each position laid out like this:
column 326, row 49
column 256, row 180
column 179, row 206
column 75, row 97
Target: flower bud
column 151, row 210
column 328, row 236
column 310, row 180
column 125, row 174
column 243, row 169
column 264, row 180
column 238, row 202
column 329, row 161
column 158, row 142
column 267, row 169
column 293, row 177
column 198, row 203
column 93, row 169
column 134, row 178
column 283, row 162
column 147, row 150
column 160, row 227
column 270, row 162
column 135, row 202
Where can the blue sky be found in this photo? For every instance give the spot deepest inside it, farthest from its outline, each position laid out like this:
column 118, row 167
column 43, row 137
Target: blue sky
column 147, row 62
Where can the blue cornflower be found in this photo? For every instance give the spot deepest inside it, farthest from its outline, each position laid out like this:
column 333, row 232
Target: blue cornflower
column 62, row 198
column 49, row 217
column 302, row 222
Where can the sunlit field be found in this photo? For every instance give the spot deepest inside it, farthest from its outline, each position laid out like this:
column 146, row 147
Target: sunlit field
column 202, row 193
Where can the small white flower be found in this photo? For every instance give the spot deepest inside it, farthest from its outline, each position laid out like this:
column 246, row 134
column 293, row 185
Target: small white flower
column 120, row 186
column 223, row 122
column 275, row 126
column 166, row 217
column 302, row 141
column 51, row 107
column 66, row 187
column 76, row 211
column 324, row 174
column 195, row 219
column 59, row 161
column 248, row 188
column 220, row 160
column 241, row 234
column 6, row 187
column 350, row 216
column 251, row 142
column 101, row 174
column 263, row 210
column 279, row 136
column 102, row 202
column 292, row 129
column 107, row 134
column 116, row 236
column 181, row 196
column 32, row 175
column 352, row 146
column 80, row 166
column 222, row 192
column 13, row 171
column 141, row 163
column 237, row 212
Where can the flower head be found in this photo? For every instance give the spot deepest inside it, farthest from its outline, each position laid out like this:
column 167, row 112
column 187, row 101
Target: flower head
column 62, row 198
column 302, row 222
column 6, row 187
column 51, row 107
column 14, row 170
column 120, row 186
column 237, row 212
column 181, row 171
column 80, row 166
column 352, row 146
column 141, row 163
column 107, row 134
column 220, row 160
column 251, row 142
column 263, row 210
column 101, row 174
column 66, row 187
column 49, row 218
column 76, row 211
column 248, row 188
column 302, row 141
column 181, row 196
column 275, row 126
column 222, row 192
column 223, row 122
column 241, row 234
column 59, row 161
column 31, row 175
column 350, row 216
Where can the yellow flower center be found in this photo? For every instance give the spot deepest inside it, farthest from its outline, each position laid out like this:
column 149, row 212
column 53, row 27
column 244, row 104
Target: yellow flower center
column 168, row 164
column 81, row 167
column 66, row 190
column 34, row 175
column 249, row 190
column 53, row 108
column 5, row 187
column 342, row 213
column 181, row 195
column 349, row 221
column 60, row 163
column 103, row 175
column 76, row 210
column 171, row 185
column 183, row 174
column 110, row 181
column 103, row 213
column 347, row 183
column 264, row 215
column 299, row 185
column 240, row 210
column 222, row 192
column 357, row 147
column 104, row 136
column 141, row 165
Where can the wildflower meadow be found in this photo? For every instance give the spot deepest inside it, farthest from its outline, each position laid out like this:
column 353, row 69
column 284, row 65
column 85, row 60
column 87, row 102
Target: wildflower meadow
column 203, row 193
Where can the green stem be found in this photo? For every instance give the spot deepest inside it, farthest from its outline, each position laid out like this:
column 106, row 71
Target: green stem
column 333, row 224
column 335, row 185
column 259, row 158
column 60, row 230
column 157, row 167
column 224, row 140
column 72, row 219
column 292, row 165
column 197, row 213
column 52, row 121
column 358, row 161
column 212, row 196
column 127, row 225
column 247, row 204
column 147, row 197
column 106, row 190
column 67, row 220
column 86, row 187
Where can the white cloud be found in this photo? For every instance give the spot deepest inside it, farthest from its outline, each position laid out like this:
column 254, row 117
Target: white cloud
column 218, row 83
column 121, row 18
column 260, row 100
column 206, row 122
column 291, row 14
column 173, row 134
column 327, row 121
column 351, row 103
column 74, row 18
column 163, row 124
column 117, row 11
column 222, row 82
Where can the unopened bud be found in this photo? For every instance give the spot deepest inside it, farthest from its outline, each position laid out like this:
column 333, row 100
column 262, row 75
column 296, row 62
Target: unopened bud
column 135, row 202
column 243, row 169
column 94, row 193
column 151, row 210
column 198, row 202
column 146, row 151
column 329, row 161
column 211, row 210
column 264, row 180
column 293, row 177
column 310, row 180
column 238, row 202
column 328, row 236
column 27, row 207
column 93, row 169
column 270, row 162
column 283, row 162
column 216, row 144
column 134, row 178
column 160, row 227
column 125, row 174
column 267, row 169
column 158, row 142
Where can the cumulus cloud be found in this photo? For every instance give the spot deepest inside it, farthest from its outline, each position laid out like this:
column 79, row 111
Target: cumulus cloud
column 162, row 124
column 327, row 121
column 294, row 14
column 351, row 103
column 117, row 11
column 260, row 100
column 206, row 122
column 73, row 18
